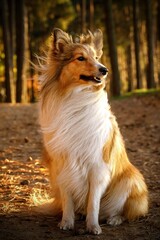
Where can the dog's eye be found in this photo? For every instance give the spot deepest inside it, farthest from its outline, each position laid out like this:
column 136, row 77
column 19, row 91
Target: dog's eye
column 81, row 58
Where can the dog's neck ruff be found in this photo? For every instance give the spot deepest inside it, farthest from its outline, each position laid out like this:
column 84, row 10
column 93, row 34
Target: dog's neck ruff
column 77, row 124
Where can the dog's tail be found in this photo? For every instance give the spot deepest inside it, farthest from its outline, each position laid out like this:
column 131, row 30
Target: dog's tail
column 43, row 204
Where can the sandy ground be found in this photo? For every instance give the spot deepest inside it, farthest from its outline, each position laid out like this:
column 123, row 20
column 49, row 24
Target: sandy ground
column 22, row 173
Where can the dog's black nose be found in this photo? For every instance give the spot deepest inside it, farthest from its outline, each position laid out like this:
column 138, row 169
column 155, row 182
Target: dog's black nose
column 103, row 70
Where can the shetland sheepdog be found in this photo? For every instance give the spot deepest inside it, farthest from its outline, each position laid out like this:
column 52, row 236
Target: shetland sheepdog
column 89, row 170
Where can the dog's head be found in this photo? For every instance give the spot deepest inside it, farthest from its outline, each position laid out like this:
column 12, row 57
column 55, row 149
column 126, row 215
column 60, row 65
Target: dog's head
column 77, row 62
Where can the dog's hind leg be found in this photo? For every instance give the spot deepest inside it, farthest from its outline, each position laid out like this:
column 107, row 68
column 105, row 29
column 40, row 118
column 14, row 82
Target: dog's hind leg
column 126, row 198
column 115, row 220
column 113, row 202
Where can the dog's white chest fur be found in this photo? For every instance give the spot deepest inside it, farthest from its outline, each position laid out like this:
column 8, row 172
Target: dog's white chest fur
column 79, row 128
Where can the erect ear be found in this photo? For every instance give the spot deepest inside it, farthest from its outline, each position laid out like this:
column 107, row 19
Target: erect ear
column 94, row 39
column 98, row 41
column 86, row 39
column 60, row 40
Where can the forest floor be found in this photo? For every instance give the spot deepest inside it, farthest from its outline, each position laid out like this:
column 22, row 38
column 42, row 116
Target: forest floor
column 22, row 173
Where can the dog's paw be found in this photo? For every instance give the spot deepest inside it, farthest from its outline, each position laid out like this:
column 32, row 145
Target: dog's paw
column 66, row 224
column 115, row 220
column 94, row 229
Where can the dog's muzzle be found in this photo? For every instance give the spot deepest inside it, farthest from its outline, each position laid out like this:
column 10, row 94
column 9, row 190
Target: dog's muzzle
column 97, row 79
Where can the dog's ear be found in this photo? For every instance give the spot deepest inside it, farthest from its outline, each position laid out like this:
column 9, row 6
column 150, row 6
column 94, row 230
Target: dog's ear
column 98, row 42
column 86, row 39
column 60, row 39
column 94, row 39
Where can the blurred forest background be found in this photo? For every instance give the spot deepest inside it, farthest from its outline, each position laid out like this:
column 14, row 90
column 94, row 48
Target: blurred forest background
column 131, row 31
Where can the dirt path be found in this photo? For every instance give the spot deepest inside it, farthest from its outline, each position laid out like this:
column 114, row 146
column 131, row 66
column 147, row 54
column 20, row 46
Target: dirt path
column 21, row 172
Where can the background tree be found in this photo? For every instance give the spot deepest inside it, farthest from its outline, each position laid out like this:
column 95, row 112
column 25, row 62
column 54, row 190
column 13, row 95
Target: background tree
column 137, row 42
column 83, row 16
column 128, row 48
column 91, row 15
column 11, row 17
column 158, row 40
column 20, row 48
column 149, row 30
column 115, row 83
column 8, row 51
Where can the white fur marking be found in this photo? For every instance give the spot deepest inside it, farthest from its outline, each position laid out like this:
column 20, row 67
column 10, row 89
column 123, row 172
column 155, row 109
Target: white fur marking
column 79, row 126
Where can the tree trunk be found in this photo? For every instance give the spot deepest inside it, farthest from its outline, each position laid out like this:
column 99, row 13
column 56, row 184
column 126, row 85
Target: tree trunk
column 20, row 47
column 137, row 42
column 32, row 92
column 158, row 40
column 83, row 16
column 11, row 6
column 91, row 14
column 149, row 29
column 7, row 51
column 128, row 52
column 115, row 84
column 129, row 68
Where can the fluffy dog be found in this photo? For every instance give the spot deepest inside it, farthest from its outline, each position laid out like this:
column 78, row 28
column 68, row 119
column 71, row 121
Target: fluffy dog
column 90, row 172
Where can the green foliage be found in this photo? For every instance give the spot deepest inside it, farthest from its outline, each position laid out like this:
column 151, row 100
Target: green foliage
column 138, row 92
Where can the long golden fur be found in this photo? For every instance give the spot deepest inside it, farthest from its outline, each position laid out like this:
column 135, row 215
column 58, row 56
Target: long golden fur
column 90, row 172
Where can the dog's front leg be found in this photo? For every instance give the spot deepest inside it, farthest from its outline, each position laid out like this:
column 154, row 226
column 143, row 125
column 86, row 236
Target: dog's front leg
column 98, row 181
column 68, row 211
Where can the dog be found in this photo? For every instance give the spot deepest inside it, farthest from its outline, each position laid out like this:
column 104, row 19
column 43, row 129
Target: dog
column 89, row 170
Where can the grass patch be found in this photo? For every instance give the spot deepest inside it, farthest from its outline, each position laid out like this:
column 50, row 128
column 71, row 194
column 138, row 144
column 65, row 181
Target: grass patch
column 137, row 93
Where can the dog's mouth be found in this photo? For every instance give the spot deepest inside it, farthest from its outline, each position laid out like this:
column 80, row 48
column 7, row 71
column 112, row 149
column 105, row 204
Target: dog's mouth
column 90, row 78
